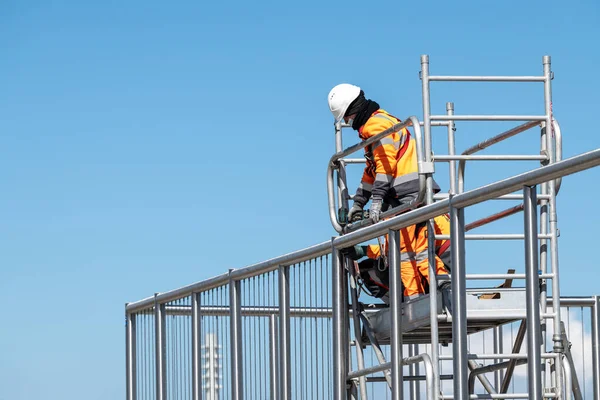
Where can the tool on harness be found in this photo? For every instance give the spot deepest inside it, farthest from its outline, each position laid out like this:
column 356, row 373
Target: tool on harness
column 382, row 250
column 384, row 265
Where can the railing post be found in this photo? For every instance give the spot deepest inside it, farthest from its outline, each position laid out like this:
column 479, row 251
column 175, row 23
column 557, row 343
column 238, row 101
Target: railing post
column 285, row 386
column 543, row 251
column 196, row 348
column 415, row 389
column 235, row 326
column 342, row 186
column 459, row 303
column 130, row 351
column 340, row 340
column 427, row 164
column 451, row 147
column 552, row 217
column 596, row 346
column 498, row 349
column 396, row 310
column 160, row 342
column 273, row 357
column 532, row 290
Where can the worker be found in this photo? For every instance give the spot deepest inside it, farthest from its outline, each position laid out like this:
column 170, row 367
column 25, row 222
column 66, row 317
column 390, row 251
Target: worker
column 414, row 265
column 390, row 177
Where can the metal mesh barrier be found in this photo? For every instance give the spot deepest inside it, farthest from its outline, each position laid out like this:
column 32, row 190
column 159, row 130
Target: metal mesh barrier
column 178, row 349
column 310, row 296
column 215, row 346
column 145, row 371
column 260, row 311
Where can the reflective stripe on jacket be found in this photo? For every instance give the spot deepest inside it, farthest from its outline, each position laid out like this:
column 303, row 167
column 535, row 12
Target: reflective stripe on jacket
column 391, row 169
column 414, row 265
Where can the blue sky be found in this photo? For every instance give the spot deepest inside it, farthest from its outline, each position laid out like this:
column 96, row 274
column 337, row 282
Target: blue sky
column 148, row 145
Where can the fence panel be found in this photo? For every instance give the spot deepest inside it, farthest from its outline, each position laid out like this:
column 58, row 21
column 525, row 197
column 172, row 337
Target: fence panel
column 178, row 330
column 311, row 330
column 145, row 351
column 215, row 364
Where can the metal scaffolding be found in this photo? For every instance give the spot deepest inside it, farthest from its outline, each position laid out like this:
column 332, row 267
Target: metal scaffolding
column 296, row 326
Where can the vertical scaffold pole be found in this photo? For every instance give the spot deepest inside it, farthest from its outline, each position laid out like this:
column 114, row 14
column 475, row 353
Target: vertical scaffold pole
column 556, row 338
column 498, row 349
column 543, row 243
column 596, row 346
column 415, row 387
column 396, row 310
column 339, row 323
column 160, row 349
column 285, row 374
column 131, row 357
column 451, row 147
column 532, row 291
column 342, row 184
column 459, row 306
column 431, row 234
column 235, row 326
column 196, row 348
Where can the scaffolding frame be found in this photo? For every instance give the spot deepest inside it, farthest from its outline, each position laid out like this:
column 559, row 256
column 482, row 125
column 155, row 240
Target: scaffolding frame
column 551, row 152
column 280, row 316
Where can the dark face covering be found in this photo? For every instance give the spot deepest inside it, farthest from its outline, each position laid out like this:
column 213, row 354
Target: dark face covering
column 363, row 109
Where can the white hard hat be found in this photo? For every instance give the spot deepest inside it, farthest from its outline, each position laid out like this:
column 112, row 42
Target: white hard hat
column 340, row 98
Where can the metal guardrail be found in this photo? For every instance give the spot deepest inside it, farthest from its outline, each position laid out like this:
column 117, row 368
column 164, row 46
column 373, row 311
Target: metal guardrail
column 158, row 302
column 468, row 154
column 423, row 170
column 233, row 285
column 488, row 192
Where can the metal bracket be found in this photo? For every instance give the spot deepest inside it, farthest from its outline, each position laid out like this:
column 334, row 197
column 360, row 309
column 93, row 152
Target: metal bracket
column 426, row 167
column 545, row 154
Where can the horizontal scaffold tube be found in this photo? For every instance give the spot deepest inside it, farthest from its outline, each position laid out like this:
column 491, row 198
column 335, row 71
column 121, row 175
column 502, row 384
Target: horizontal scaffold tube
column 326, row 312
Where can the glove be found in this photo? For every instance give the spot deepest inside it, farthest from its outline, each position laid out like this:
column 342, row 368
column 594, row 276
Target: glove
column 355, row 210
column 375, row 210
column 355, row 252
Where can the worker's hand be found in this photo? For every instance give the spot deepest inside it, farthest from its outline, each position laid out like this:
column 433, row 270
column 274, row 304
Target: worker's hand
column 355, row 210
column 375, row 210
column 355, row 252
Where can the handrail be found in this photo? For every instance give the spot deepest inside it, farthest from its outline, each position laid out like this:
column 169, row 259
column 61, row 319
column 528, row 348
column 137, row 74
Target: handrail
column 333, row 161
column 562, row 168
column 237, row 274
column 429, row 376
column 487, row 143
column 326, row 312
column 505, row 135
column 513, row 210
column 557, row 151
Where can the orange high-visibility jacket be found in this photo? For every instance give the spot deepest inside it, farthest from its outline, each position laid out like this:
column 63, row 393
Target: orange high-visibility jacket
column 414, row 266
column 391, row 169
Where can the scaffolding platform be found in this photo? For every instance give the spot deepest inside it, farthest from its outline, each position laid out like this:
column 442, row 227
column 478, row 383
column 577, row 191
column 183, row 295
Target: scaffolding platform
column 483, row 312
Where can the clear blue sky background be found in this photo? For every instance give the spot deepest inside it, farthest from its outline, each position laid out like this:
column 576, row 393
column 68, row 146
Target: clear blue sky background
column 147, row 145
